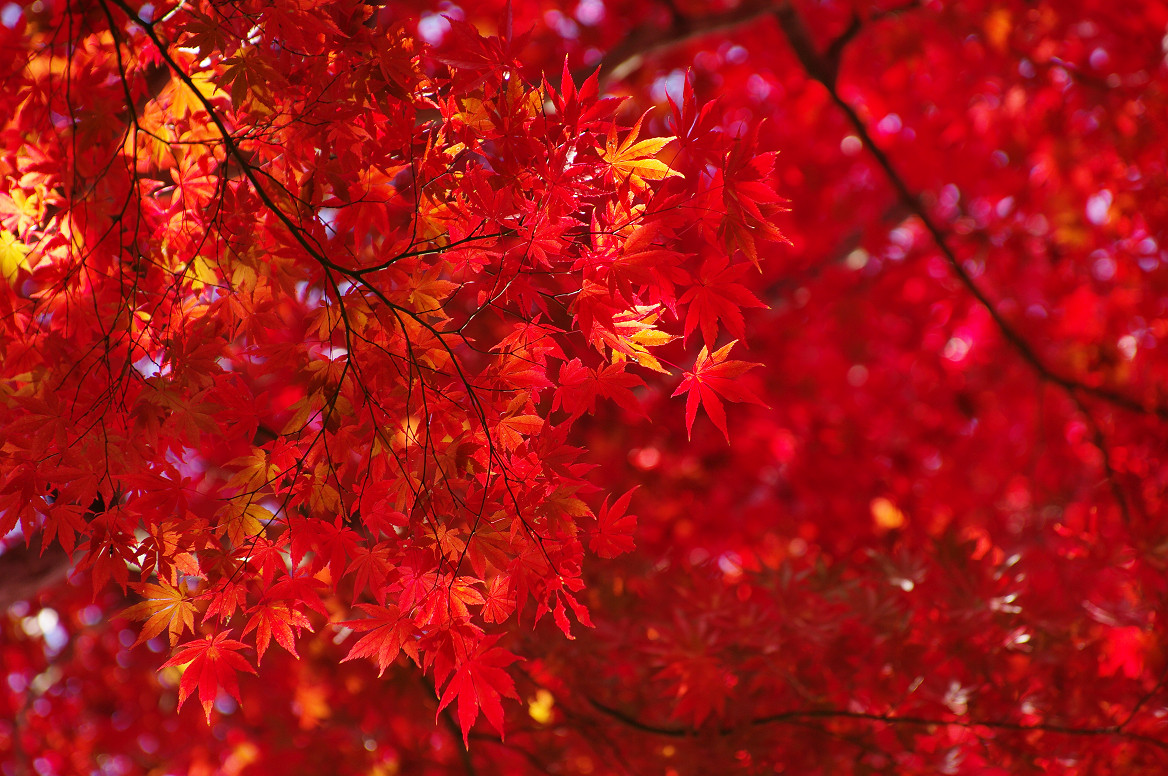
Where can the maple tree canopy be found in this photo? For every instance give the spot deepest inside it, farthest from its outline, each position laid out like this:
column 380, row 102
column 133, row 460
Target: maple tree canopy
column 583, row 387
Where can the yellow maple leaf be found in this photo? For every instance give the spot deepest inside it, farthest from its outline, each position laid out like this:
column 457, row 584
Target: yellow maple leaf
column 634, row 160
column 511, row 430
column 184, row 100
column 12, row 255
column 239, row 522
column 634, row 334
column 165, row 608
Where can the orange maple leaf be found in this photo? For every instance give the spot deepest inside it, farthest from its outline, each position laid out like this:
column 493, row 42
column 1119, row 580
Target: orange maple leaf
column 165, row 608
column 635, row 161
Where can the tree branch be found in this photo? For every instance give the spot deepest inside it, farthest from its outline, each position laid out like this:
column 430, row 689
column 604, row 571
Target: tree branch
column 823, row 67
column 625, row 57
column 820, row 70
column 800, row 715
column 27, row 571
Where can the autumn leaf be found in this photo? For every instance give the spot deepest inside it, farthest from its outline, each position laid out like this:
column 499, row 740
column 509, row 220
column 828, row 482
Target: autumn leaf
column 388, row 634
column 632, row 334
column 635, row 161
column 12, row 255
column 370, row 567
column 700, row 684
column 499, row 602
column 751, row 202
column 614, row 528
column 224, row 598
column 580, row 387
column 514, row 428
column 455, row 596
column 429, row 291
column 276, row 620
column 166, row 608
column 211, row 664
column 184, row 100
column 480, row 682
column 715, row 297
column 239, row 520
column 712, row 379
column 340, row 271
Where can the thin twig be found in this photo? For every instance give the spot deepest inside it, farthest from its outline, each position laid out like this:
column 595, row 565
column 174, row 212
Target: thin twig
column 819, row 70
column 797, row 715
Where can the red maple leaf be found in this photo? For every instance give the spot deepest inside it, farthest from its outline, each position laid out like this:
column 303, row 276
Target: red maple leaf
column 213, row 662
column 714, row 376
column 580, row 386
column 480, row 683
column 276, row 620
column 389, row 633
column 717, row 296
column 614, row 528
column 499, row 602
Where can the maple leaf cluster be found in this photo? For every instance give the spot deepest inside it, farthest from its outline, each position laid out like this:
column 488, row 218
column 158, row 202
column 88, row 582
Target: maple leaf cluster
column 421, row 388
column 311, row 314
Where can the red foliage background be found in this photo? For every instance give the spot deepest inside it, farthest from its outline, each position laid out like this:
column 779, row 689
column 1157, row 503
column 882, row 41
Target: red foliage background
column 933, row 542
